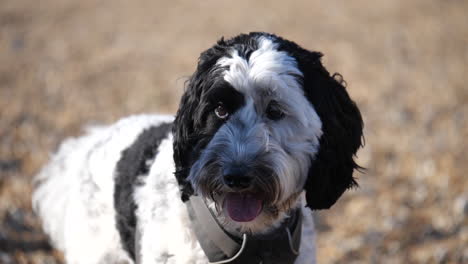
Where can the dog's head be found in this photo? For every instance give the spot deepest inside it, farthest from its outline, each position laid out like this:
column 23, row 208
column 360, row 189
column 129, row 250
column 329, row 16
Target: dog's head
column 260, row 121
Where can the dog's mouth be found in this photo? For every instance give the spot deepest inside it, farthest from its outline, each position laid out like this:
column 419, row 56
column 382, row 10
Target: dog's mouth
column 242, row 207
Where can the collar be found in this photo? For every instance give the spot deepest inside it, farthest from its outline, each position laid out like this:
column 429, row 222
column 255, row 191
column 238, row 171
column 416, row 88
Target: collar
column 220, row 247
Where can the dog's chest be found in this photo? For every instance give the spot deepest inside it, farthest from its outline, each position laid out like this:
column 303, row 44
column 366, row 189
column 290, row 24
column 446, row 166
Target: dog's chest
column 163, row 231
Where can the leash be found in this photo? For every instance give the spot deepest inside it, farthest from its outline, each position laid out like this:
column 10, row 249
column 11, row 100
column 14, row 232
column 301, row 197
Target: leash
column 244, row 241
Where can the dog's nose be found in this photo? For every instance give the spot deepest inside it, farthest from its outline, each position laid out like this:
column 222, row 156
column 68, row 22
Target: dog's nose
column 237, row 182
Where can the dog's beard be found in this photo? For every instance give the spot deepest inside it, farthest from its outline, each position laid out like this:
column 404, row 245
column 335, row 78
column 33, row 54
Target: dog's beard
column 239, row 211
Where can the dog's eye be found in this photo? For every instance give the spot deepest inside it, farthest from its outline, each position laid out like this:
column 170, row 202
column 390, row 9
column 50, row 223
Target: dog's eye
column 221, row 112
column 274, row 111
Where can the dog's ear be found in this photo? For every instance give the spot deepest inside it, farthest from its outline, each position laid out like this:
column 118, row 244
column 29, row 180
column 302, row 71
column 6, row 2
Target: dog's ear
column 331, row 171
column 188, row 120
column 182, row 131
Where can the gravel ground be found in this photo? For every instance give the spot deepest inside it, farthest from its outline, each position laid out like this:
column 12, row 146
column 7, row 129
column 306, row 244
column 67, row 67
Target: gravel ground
column 65, row 64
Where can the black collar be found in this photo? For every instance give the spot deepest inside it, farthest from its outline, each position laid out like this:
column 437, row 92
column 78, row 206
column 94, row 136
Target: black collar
column 282, row 246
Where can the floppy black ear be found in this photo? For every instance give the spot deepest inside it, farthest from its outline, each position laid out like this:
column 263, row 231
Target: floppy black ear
column 331, row 172
column 182, row 131
column 186, row 129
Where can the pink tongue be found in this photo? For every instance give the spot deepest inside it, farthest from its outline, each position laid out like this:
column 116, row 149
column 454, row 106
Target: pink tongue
column 242, row 207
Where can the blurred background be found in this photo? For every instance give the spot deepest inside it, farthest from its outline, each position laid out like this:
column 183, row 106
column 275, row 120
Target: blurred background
column 65, row 64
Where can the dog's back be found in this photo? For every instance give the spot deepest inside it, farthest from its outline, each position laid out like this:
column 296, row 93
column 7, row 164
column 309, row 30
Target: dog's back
column 74, row 191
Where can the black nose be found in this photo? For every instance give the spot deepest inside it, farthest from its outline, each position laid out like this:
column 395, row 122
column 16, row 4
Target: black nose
column 237, row 182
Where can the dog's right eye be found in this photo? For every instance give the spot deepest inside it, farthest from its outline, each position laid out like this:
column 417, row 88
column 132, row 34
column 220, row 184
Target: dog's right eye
column 221, row 112
column 274, row 111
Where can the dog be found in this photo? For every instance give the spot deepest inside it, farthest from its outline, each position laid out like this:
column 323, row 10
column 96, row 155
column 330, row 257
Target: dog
column 263, row 135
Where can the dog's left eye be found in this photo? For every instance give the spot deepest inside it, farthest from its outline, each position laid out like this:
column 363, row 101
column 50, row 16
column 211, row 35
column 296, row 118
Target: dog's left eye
column 221, row 112
column 274, row 111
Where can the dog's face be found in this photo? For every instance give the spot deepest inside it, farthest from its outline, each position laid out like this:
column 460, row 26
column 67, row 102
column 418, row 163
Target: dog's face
column 262, row 120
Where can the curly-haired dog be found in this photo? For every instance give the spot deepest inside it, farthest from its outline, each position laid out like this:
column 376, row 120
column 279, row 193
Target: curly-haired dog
column 263, row 131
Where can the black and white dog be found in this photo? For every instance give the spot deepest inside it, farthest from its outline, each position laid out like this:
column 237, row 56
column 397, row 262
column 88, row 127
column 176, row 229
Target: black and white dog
column 263, row 134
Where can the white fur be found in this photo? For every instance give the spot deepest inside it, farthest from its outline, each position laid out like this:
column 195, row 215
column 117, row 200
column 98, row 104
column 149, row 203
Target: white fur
column 74, row 199
column 163, row 222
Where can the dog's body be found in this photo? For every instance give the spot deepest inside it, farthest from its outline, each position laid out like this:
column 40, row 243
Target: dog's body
column 78, row 204
column 261, row 121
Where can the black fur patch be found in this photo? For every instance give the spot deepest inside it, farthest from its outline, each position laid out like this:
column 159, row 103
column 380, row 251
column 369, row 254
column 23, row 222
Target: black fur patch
column 132, row 164
column 332, row 170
